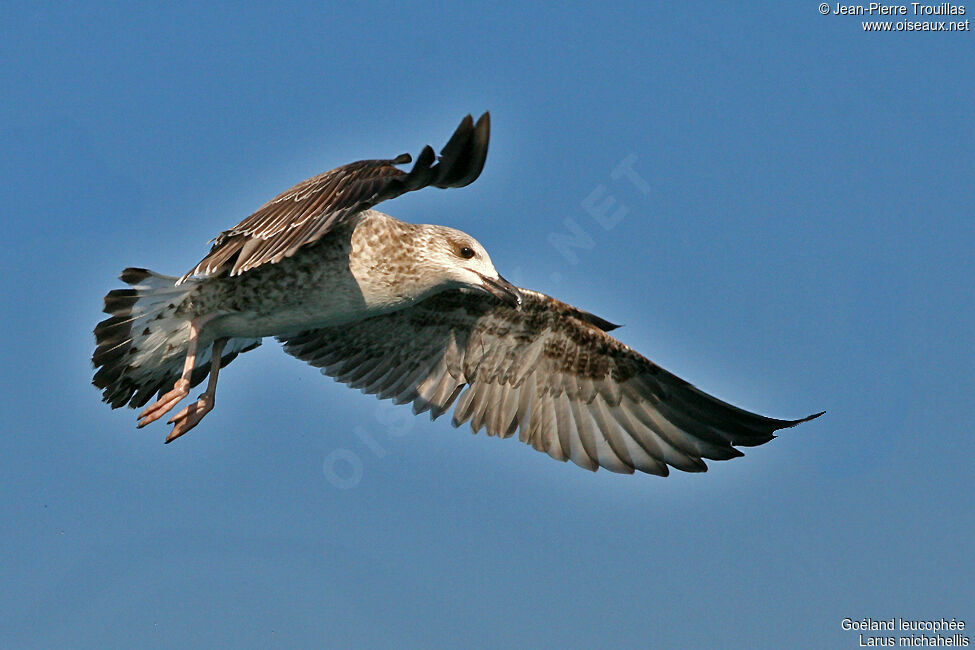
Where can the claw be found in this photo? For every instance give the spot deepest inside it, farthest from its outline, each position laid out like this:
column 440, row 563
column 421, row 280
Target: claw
column 165, row 403
column 189, row 417
column 192, row 414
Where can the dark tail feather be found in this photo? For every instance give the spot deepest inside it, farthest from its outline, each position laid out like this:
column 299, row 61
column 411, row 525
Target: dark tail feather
column 140, row 348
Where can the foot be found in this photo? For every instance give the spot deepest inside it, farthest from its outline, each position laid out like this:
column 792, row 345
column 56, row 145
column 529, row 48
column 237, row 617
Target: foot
column 190, row 416
column 165, row 403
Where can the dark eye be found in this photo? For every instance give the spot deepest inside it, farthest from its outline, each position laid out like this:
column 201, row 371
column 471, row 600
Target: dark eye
column 466, row 253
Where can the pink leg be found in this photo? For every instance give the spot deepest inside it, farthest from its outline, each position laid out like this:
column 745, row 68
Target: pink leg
column 165, row 403
column 192, row 414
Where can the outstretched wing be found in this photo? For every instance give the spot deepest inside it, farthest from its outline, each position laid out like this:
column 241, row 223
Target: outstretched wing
column 548, row 370
column 304, row 213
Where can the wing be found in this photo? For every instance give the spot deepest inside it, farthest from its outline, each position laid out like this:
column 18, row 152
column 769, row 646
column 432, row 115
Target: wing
column 549, row 371
column 304, row 213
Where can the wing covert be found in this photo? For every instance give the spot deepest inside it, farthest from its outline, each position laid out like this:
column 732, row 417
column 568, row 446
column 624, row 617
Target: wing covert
column 548, row 371
column 304, row 213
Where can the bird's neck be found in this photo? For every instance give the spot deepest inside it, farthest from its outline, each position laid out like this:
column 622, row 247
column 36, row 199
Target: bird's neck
column 387, row 260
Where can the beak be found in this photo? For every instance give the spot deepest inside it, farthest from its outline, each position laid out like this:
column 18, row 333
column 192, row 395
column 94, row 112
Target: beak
column 502, row 290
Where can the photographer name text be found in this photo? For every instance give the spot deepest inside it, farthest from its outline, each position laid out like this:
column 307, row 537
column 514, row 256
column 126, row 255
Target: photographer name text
column 912, row 9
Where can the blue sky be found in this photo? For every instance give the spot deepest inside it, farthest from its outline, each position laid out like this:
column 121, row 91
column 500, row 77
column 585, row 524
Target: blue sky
column 805, row 242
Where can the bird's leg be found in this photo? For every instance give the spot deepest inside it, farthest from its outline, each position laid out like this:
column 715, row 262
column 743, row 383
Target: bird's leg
column 181, row 389
column 192, row 414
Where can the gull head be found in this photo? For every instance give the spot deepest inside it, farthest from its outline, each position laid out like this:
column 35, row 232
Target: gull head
column 461, row 262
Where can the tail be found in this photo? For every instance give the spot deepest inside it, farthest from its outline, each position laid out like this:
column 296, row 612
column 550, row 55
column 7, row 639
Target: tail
column 141, row 348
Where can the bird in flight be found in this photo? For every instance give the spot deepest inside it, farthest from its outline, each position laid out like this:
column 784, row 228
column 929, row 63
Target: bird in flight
column 413, row 313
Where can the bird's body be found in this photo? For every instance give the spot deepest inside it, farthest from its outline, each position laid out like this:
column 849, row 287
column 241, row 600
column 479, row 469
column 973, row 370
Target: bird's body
column 369, row 266
column 414, row 313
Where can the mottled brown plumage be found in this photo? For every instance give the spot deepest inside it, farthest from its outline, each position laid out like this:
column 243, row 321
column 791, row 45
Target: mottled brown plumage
column 415, row 313
column 548, row 370
column 303, row 214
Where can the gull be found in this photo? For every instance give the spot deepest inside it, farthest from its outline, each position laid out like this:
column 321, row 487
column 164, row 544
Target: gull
column 413, row 313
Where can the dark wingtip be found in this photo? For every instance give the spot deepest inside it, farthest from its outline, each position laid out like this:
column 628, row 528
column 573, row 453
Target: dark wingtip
column 792, row 423
column 462, row 158
column 479, row 142
column 593, row 319
column 426, row 158
column 402, row 159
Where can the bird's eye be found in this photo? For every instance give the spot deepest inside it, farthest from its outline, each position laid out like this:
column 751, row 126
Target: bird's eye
column 466, row 252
